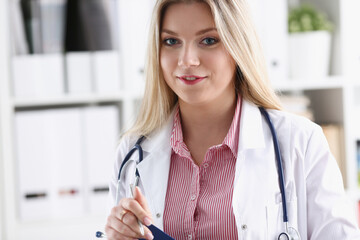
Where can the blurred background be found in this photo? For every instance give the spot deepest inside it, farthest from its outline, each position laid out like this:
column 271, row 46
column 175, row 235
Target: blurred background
column 71, row 80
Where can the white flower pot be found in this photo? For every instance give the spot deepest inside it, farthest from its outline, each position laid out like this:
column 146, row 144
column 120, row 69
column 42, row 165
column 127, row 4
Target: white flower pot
column 309, row 54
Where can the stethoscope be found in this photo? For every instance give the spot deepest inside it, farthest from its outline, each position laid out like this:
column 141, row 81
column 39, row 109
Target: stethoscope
column 290, row 233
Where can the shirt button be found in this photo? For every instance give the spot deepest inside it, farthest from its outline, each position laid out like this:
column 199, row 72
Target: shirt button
column 244, row 227
column 189, row 236
column 206, row 165
column 192, row 198
column 158, row 215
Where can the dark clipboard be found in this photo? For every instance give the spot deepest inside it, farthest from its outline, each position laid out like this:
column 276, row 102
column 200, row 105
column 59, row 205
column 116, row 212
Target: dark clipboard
column 158, row 234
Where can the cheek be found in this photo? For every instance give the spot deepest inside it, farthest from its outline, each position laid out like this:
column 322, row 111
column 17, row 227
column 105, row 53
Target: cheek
column 167, row 63
column 167, row 67
column 221, row 64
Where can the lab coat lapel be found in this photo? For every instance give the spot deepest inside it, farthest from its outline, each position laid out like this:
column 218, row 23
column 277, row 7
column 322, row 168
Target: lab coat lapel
column 251, row 129
column 255, row 169
column 251, row 137
column 154, row 170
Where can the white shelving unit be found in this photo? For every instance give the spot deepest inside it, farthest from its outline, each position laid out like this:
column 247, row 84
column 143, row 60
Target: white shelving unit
column 335, row 101
column 5, row 120
column 330, row 82
column 335, row 98
column 11, row 227
column 72, row 100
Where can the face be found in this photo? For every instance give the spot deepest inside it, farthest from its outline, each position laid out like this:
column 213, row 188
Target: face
column 195, row 63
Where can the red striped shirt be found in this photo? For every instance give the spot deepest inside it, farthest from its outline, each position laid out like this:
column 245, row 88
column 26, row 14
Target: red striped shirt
column 198, row 202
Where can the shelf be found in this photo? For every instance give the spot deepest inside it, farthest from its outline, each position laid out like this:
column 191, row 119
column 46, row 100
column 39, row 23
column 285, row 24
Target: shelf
column 74, row 100
column 62, row 229
column 330, row 82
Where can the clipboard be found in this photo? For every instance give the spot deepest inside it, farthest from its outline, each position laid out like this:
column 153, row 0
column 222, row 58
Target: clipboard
column 158, row 234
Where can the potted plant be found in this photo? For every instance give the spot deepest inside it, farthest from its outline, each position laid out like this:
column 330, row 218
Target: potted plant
column 309, row 42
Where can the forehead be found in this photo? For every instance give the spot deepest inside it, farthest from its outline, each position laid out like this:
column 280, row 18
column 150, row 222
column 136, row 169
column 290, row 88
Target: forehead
column 187, row 17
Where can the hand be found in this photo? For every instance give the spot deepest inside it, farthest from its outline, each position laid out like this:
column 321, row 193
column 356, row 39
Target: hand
column 122, row 223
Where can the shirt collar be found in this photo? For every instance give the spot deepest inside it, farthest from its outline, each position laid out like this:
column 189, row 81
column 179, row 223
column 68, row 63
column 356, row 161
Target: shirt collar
column 231, row 140
column 232, row 137
column 177, row 140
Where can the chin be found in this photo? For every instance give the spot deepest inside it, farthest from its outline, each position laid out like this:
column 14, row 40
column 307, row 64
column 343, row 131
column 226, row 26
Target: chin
column 194, row 101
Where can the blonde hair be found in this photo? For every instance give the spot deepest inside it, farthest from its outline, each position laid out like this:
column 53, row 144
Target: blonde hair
column 233, row 22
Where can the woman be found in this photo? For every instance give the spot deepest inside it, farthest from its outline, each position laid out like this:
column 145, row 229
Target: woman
column 209, row 168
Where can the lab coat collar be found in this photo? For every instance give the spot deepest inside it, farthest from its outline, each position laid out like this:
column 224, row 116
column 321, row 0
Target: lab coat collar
column 251, row 127
column 154, row 169
column 160, row 139
column 251, row 131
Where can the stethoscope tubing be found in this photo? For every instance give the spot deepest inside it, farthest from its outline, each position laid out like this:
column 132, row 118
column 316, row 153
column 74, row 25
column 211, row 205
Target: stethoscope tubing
column 137, row 147
column 278, row 161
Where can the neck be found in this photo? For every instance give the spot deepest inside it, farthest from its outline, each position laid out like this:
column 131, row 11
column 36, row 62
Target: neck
column 207, row 123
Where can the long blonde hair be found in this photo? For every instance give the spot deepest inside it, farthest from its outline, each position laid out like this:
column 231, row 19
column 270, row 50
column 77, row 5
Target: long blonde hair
column 233, row 22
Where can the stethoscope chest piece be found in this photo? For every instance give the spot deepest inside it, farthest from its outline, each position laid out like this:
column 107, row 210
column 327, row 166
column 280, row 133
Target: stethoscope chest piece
column 292, row 234
column 284, row 236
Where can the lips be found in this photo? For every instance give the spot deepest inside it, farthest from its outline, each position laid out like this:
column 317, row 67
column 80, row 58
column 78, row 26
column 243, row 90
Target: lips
column 191, row 79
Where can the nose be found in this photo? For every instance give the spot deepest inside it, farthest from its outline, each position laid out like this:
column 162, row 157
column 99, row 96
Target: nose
column 188, row 57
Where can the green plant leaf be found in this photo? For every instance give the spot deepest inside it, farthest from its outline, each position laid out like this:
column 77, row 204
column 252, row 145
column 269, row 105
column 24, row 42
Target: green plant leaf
column 306, row 18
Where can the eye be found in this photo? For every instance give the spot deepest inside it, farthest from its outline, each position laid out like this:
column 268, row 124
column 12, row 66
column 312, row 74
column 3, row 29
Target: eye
column 209, row 41
column 170, row 41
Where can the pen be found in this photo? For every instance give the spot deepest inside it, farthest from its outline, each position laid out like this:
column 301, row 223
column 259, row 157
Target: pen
column 132, row 190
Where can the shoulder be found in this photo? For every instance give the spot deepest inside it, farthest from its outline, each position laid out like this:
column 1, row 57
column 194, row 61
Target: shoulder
column 125, row 144
column 159, row 138
column 297, row 135
column 294, row 124
column 302, row 142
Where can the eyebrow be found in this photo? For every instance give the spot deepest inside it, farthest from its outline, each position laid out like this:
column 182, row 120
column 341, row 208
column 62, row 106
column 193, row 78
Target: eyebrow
column 198, row 33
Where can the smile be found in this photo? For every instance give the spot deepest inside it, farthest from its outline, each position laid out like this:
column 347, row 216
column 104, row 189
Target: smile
column 191, row 80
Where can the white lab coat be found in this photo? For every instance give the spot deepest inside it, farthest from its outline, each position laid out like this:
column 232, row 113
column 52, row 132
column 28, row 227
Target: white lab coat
column 316, row 203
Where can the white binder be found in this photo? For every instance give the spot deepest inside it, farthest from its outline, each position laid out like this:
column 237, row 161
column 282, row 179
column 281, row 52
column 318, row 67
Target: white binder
column 106, row 69
column 79, row 73
column 134, row 40
column 101, row 133
column 349, row 56
column 64, row 145
column 34, row 193
column 50, row 168
column 38, row 75
column 270, row 19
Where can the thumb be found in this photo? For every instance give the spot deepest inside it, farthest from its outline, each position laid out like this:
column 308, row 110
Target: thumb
column 140, row 198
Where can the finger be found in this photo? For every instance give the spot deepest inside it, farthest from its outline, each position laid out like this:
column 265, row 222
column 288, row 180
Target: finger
column 118, row 212
column 138, row 196
column 134, row 206
column 115, row 221
column 130, row 220
column 148, row 234
column 120, row 229
column 112, row 234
